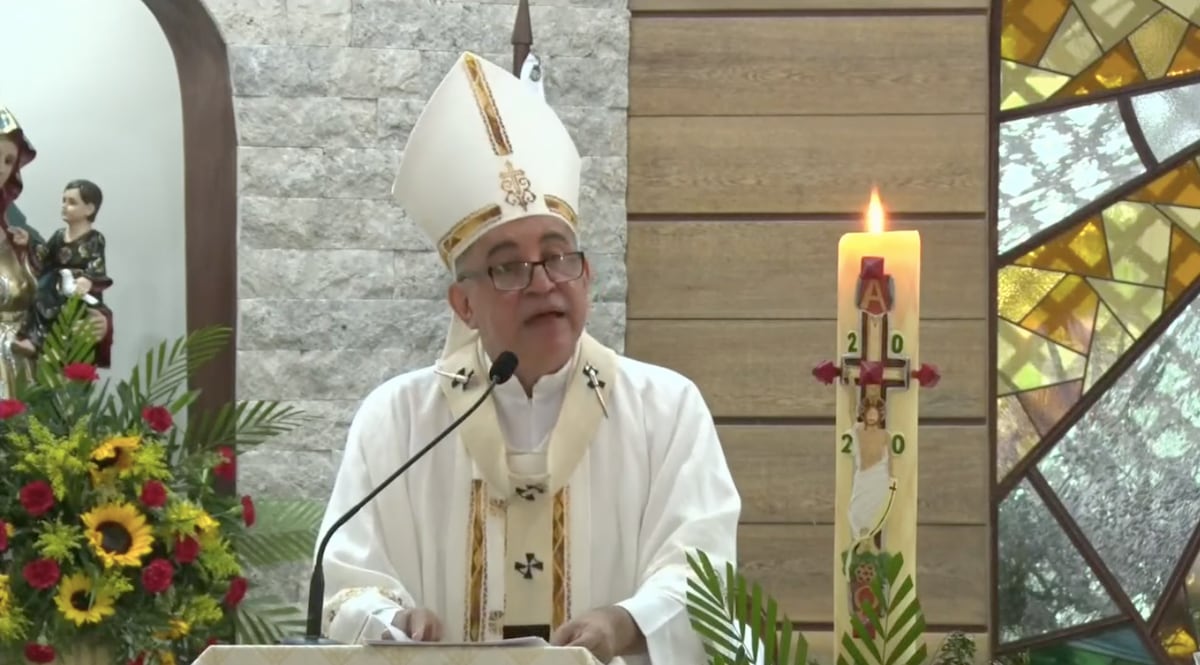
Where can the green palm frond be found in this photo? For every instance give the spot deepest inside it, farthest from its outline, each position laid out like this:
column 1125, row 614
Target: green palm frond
column 266, row 620
column 285, row 532
column 243, row 424
column 726, row 612
column 895, row 624
column 165, row 371
column 70, row 340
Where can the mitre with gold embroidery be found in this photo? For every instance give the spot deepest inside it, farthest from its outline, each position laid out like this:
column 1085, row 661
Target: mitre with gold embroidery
column 486, row 150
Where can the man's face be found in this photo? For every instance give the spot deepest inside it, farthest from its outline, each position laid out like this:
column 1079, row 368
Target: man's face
column 540, row 322
column 8, row 158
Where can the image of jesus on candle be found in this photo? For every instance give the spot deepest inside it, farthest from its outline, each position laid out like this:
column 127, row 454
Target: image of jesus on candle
column 871, row 487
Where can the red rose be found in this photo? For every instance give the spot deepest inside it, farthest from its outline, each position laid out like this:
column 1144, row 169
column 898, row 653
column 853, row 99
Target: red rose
column 186, row 549
column 248, row 513
column 237, row 591
column 42, row 573
column 157, row 577
column 157, row 418
column 37, row 498
column 80, row 372
column 226, row 470
column 10, row 408
column 40, row 653
column 3, row 535
column 154, row 495
column 141, row 658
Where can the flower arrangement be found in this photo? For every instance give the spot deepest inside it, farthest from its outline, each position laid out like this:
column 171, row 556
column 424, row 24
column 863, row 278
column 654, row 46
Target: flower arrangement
column 118, row 532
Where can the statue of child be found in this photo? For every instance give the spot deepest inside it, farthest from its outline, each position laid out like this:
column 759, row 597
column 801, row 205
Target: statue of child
column 71, row 261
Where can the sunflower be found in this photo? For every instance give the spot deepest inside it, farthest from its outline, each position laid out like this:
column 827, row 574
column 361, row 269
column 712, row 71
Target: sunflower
column 118, row 534
column 112, row 457
column 80, row 603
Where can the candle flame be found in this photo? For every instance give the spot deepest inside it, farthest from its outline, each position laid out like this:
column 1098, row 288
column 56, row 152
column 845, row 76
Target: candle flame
column 875, row 217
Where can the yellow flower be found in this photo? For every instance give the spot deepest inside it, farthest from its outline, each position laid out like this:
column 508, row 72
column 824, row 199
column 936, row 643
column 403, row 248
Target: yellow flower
column 80, row 603
column 113, row 457
column 217, row 557
column 178, row 628
column 1179, row 644
column 185, row 518
column 13, row 624
column 150, row 462
column 166, row 658
column 201, row 611
column 118, row 534
column 59, row 541
column 57, row 459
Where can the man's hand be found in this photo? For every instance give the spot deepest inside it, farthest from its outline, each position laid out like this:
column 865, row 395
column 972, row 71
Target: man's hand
column 607, row 632
column 419, row 624
column 20, row 237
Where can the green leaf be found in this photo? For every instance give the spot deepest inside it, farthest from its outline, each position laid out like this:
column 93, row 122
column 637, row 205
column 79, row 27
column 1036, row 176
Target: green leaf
column 896, row 620
column 164, row 372
column 265, row 620
column 285, row 531
column 718, row 628
column 242, row 424
column 875, row 624
column 726, row 609
column 70, row 339
column 850, row 645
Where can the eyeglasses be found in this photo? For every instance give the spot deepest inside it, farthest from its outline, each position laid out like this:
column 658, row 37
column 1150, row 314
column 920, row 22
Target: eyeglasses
column 518, row 275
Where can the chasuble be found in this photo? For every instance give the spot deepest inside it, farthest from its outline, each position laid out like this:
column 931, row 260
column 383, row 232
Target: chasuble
column 537, row 509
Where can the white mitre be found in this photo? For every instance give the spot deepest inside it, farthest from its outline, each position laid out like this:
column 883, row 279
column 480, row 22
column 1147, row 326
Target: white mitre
column 486, row 150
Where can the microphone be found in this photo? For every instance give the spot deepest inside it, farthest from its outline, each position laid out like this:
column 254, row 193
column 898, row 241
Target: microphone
column 502, row 370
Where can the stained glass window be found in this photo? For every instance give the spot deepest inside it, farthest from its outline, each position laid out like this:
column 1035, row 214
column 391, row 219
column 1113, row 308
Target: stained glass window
column 1098, row 330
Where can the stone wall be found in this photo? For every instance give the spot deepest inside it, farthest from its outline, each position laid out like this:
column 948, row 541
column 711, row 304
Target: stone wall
column 338, row 290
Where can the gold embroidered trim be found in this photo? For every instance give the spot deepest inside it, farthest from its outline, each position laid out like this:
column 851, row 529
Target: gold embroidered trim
column 467, row 227
column 562, row 209
column 516, row 187
column 487, row 107
column 561, row 576
column 477, row 563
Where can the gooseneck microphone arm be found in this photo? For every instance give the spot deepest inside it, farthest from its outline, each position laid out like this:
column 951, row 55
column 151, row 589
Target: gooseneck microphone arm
column 502, row 370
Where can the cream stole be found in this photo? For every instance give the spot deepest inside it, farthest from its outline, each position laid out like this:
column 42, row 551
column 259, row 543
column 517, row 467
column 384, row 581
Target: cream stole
column 519, row 555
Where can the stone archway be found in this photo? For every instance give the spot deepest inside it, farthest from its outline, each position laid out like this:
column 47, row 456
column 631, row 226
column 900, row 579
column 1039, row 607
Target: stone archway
column 210, row 182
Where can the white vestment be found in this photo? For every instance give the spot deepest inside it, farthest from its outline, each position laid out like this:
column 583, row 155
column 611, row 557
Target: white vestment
column 580, row 510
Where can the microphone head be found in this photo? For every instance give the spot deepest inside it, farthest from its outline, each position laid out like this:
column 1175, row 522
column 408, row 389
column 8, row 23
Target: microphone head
column 503, row 368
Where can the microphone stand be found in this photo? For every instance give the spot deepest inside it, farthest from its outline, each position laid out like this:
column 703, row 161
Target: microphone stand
column 316, row 588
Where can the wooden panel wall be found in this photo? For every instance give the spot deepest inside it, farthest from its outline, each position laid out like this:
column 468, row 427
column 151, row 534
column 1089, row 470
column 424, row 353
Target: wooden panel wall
column 757, row 129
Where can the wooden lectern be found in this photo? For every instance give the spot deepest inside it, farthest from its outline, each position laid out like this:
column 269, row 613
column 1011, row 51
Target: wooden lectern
column 406, row 654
